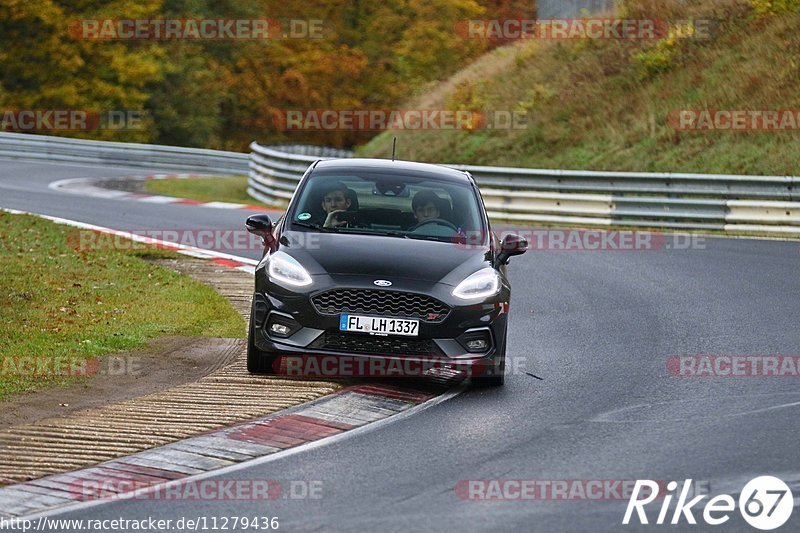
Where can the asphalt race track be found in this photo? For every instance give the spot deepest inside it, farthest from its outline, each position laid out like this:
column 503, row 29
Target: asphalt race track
column 598, row 328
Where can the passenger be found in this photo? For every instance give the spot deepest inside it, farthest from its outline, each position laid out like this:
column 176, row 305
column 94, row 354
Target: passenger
column 335, row 201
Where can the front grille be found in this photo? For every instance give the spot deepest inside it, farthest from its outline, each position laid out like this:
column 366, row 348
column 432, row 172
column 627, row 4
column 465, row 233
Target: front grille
column 368, row 344
column 377, row 302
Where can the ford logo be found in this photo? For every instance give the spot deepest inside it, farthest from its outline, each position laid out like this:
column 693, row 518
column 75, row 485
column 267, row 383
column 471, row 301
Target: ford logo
column 382, row 283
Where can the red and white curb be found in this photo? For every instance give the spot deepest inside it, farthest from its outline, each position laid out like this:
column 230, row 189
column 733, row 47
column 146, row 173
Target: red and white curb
column 349, row 411
column 89, row 187
column 220, row 258
column 357, row 408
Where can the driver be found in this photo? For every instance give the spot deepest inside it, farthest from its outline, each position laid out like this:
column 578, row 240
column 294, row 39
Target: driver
column 335, row 201
column 425, row 206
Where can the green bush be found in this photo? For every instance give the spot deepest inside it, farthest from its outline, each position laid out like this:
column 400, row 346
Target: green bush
column 656, row 60
column 771, row 7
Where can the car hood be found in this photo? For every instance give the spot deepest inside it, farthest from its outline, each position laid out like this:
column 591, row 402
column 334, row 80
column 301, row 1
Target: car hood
column 384, row 257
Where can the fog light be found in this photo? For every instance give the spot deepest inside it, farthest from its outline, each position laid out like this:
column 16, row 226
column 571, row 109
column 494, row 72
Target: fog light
column 477, row 345
column 477, row 340
column 279, row 329
column 281, row 326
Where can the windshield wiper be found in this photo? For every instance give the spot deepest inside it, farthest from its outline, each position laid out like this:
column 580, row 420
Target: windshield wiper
column 367, row 231
column 421, row 237
column 311, row 225
column 342, row 229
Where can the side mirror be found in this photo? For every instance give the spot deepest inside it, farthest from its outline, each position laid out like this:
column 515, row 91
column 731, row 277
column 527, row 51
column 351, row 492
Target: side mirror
column 260, row 225
column 512, row 245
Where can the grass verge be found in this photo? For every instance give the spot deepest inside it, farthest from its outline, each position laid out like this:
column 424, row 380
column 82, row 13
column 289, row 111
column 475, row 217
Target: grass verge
column 606, row 104
column 212, row 189
column 62, row 304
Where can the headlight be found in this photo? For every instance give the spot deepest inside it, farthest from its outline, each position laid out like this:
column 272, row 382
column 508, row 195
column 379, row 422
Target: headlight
column 481, row 284
column 285, row 268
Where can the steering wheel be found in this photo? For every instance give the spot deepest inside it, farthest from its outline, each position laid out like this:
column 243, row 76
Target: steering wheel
column 353, row 220
column 349, row 219
column 439, row 221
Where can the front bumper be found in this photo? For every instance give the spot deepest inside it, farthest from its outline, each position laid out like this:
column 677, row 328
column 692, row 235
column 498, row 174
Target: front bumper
column 313, row 333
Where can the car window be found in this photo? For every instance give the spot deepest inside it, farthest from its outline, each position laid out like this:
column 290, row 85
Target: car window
column 389, row 203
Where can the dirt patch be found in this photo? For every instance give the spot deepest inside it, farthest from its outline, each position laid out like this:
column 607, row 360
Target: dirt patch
column 162, row 364
column 189, row 386
column 124, row 184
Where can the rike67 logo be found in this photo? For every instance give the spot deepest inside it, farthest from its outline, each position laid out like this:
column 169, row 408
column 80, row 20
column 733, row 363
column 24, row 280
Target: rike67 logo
column 765, row 503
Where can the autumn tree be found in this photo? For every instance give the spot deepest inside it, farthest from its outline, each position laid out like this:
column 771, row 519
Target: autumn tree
column 224, row 93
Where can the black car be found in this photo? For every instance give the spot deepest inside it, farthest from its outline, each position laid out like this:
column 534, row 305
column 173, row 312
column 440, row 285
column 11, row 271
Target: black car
column 382, row 261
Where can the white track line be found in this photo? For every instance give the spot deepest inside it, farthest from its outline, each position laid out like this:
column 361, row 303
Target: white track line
column 192, row 251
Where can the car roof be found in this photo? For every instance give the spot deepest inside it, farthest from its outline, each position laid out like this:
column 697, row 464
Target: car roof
column 356, row 164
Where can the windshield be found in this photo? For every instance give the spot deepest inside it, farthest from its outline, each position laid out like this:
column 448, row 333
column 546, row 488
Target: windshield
column 390, row 204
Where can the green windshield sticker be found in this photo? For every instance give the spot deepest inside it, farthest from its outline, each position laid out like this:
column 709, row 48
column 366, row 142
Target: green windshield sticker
column 303, row 216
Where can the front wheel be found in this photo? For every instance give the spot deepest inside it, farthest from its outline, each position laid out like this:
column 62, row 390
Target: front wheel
column 497, row 377
column 258, row 362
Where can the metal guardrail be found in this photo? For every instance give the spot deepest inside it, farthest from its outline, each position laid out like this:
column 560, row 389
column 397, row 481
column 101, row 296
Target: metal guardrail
column 275, row 171
column 752, row 204
column 60, row 149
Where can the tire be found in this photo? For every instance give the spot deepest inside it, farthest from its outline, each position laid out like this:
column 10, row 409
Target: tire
column 258, row 362
column 498, row 378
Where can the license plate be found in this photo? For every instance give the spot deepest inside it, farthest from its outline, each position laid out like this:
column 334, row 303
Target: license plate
column 379, row 325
